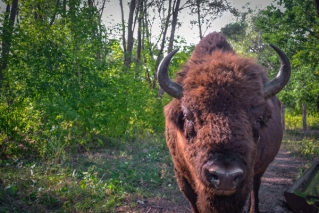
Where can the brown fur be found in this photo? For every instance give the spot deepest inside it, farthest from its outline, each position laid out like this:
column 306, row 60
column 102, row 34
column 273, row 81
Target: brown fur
column 224, row 93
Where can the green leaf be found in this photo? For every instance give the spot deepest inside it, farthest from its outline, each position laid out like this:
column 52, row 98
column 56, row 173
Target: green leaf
column 12, row 190
column 300, row 194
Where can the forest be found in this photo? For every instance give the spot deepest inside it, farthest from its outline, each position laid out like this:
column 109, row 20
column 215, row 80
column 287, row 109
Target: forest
column 81, row 112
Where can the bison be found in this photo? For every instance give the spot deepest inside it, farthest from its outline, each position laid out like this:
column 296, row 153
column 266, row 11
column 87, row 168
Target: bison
column 223, row 126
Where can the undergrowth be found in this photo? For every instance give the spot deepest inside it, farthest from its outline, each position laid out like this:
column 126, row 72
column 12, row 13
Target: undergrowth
column 305, row 144
column 95, row 181
column 293, row 122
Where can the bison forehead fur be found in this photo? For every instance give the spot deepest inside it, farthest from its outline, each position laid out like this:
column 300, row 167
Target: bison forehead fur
column 222, row 132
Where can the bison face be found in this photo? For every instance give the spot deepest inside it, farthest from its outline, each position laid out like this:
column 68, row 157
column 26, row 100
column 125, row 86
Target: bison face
column 220, row 146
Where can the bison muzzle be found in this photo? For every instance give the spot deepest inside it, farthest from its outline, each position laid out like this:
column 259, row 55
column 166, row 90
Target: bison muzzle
column 223, row 127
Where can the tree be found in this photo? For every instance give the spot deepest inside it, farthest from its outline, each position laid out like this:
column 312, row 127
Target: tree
column 246, row 38
column 8, row 27
column 207, row 12
column 296, row 30
column 55, row 76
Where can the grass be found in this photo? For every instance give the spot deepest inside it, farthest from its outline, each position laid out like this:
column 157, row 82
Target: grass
column 305, row 144
column 94, row 181
column 298, row 142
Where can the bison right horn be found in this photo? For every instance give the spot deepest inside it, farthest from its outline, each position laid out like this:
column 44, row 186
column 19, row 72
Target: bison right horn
column 274, row 86
column 169, row 86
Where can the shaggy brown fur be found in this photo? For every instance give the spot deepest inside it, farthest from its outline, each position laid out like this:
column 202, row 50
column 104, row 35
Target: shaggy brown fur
column 222, row 112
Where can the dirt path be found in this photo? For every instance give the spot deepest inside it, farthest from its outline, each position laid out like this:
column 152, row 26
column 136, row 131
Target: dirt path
column 279, row 176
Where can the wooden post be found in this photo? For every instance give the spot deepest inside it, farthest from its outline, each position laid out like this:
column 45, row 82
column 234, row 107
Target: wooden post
column 283, row 116
column 304, row 117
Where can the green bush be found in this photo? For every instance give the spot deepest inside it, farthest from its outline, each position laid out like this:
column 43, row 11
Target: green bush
column 310, row 147
column 294, row 121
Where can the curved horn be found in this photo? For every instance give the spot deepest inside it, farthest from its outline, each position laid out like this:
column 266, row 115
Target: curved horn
column 169, row 86
column 274, row 86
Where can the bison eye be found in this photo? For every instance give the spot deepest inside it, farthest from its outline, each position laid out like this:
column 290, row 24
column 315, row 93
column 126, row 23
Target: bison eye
column 188, row 115
column 261, row 121
column 189, row 123
column 257, row 126
column 189, row 129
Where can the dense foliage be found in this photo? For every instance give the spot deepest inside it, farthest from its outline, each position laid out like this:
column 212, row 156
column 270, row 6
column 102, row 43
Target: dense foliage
column 65, row 85
column 292, row 25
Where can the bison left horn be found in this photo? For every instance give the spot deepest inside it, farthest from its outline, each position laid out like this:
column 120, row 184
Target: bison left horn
column 173, row 89
column 274, row 86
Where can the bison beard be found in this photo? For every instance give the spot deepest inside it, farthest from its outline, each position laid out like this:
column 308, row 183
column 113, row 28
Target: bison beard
column 233, row 203
column 223, row 127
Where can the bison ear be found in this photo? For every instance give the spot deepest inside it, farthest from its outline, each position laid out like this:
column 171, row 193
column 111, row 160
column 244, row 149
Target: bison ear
column 174, row 113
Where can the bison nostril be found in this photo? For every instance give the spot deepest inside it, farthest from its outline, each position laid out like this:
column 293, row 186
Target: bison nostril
column 237, row 176
column 236, row 180
column 215, row 177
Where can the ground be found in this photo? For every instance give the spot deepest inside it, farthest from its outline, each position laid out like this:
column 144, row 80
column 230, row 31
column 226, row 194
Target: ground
column 280, row 175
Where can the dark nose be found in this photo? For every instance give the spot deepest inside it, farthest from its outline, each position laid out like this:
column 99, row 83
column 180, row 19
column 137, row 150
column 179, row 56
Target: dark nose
column 225, row 178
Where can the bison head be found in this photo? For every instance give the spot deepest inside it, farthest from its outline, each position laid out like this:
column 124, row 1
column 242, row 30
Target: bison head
column 213, row 125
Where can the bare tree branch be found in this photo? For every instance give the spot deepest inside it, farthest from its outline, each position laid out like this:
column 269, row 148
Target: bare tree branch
column 102, row 9
column 174, row 23
column 55, row 12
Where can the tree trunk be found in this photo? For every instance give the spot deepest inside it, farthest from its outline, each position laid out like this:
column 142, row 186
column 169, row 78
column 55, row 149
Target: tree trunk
column 147, row 44
column 304, row 117
column 174, row 23
column 160, row 54
column 40, row 15
column 123, row 28
column 7, row 36
column 130, row 38
column 140, row 29
column 317, row 5
column 55, row 12
column 199, row 19
column 283, row 117
column 64, row 9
